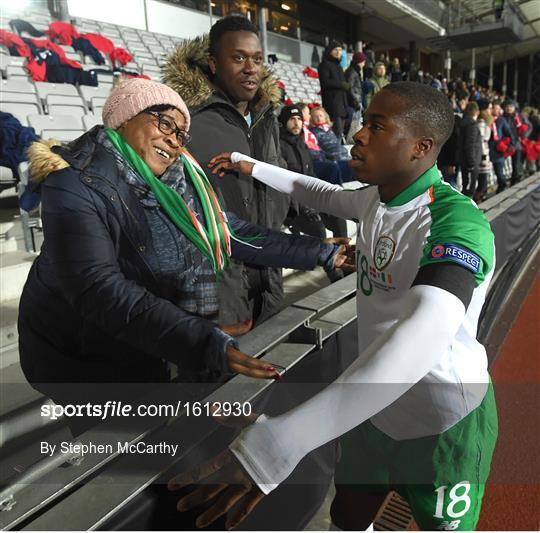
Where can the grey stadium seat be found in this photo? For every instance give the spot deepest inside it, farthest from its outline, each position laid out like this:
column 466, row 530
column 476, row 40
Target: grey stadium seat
column 91, row 120
column 55, row 122
column 43, row 89
column 20, row 111
column 17, row 86
column 62, row 135
column 89, row 92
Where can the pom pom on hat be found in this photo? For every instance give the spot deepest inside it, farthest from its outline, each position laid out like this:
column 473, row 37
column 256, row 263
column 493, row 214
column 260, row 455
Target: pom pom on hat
column 134, row 96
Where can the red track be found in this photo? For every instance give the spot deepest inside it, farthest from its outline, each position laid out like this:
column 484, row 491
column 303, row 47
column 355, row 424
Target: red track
column 512, row 498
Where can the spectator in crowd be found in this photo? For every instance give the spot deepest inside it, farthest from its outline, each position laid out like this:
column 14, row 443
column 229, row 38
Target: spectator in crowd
column 330, row 170
column 379, row 79
column 469, row 149
column 515, row 124
column 485, row 121
column 298, row 159
column 462, row 92
column 395, row 70
column 321, row 126
column 126, row 283
column 370, row 59
column 448, row 157
column 232, row 99
column 499, row 149
column 354, row 76
column 334, row 87
column 405, row 68
column 531, row 146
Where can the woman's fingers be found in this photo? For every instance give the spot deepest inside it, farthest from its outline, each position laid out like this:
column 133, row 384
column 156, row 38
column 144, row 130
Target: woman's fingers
column 250, row 366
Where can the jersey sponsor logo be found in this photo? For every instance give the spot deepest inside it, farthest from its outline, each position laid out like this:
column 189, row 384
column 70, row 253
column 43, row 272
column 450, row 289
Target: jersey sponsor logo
column 457, row 254
column 384, row 252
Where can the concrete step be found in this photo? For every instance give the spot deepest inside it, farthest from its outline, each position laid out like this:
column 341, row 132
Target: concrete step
column 8, row 328
column 14, row 268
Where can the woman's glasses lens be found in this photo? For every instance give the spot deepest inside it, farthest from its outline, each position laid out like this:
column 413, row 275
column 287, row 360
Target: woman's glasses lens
column 167, row 127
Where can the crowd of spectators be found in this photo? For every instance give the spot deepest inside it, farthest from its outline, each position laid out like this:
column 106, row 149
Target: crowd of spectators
column 495, row 140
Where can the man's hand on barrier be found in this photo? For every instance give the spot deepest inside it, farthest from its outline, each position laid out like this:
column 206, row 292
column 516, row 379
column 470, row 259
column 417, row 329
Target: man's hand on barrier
column 345, row 256
column 226, row 484
column 222, row 163
column 250, row 366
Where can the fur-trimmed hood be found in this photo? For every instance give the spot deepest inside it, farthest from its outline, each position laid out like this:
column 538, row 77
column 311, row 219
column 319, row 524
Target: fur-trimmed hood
column 186, row 71
column 43, row 161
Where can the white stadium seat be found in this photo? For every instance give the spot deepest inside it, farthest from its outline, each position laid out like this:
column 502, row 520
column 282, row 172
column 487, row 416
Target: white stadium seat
column 14, row 71
column 17, row 86
column 62, row 135
column 20, row 111
column 43, row 89
column 90, row 92
column 55, row 122
column 91, row 120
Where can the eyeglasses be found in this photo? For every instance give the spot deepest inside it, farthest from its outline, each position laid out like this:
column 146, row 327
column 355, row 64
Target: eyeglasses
column 167, row 126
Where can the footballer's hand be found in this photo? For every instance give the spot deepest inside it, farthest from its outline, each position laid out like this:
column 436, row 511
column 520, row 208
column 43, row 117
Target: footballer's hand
column 222, row 163
column 224, row 483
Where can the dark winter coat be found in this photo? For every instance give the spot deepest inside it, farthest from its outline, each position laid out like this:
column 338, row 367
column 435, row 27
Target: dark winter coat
column 448, row 155
column 469, row 144
column 296, row 153
column 14, row 140
column 333, row 93
column 96, row 306
column 354, row 79
column 245, row 291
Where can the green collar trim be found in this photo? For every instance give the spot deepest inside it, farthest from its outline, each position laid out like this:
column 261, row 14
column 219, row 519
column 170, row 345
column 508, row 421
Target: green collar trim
column 418, row 187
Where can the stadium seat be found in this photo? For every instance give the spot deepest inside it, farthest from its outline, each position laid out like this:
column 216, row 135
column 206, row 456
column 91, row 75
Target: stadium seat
column 90, row 92
column 44, row 88
column 21, row 98
column 20, row 111
column 17, row 86
column 104, row 79
column 62, row 135
column 16, row 71
column 91, row 120
column 55, row 122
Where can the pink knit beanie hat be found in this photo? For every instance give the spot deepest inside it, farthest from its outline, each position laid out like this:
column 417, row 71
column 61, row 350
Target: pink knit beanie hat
column 137, row 94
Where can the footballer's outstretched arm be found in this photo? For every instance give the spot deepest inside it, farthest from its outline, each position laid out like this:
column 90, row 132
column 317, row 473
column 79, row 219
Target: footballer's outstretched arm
column 271, row 448
column 313, row 192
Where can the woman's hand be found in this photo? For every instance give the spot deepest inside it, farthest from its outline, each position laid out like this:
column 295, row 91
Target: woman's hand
column 222, row 163
column 345, row 257
column 250, row 366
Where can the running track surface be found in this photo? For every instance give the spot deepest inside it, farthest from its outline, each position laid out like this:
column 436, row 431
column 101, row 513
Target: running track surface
column 512, row 497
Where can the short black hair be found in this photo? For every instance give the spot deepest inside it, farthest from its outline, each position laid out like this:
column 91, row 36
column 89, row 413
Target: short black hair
column 159, row 108
column 428, row 111
column 226, row 24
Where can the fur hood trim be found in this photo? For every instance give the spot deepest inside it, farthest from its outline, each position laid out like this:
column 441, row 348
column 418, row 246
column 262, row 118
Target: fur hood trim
column 186, row 71
column 43, row 160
